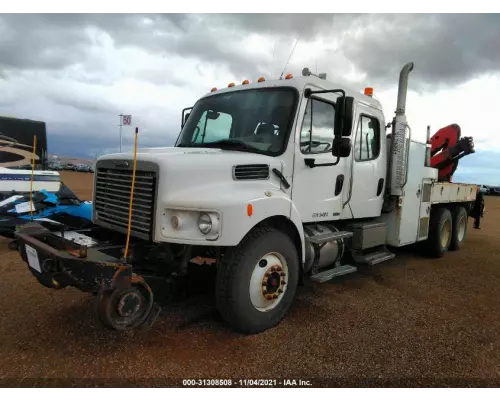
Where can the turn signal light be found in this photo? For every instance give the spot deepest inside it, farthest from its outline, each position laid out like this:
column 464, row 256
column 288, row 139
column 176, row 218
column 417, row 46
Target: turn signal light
column 261, row 79
column 245, row 82
column 231, row 84
column 289, row 76
column 369, row 91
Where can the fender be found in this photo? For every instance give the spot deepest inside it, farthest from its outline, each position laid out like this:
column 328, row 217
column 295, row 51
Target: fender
column 240, row 208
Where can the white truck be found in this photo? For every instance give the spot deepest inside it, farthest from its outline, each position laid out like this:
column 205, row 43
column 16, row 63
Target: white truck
column 268, row 183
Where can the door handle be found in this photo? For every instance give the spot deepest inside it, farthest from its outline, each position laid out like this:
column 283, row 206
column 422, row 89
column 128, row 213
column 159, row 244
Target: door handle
column 380, row 186
column 339, row 184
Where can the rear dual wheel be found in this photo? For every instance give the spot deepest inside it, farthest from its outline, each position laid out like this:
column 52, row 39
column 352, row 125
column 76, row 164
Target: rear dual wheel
column 460, row 222
column 447, row 230
column 440, row 232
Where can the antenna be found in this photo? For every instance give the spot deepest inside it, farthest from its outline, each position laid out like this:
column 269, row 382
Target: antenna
column 297, row 41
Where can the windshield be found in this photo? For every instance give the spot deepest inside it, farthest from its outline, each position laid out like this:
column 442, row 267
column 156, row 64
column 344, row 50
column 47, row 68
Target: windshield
column 257, row 120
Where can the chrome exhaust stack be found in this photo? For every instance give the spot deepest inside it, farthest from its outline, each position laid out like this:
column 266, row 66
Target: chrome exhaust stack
column 403, row 88
column 428, row 147
column 398, row 160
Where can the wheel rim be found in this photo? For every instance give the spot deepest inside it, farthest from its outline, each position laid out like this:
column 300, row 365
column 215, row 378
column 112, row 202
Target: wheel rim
column 445, row 233
column 268, row 282
column 462, row 224
column 125, row 309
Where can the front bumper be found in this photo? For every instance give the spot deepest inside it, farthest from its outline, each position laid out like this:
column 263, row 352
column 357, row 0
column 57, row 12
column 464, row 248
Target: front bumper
column 57, row 262
column 123, row 299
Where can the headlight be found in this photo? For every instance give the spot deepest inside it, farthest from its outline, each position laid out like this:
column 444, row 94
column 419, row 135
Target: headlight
column 205, row 223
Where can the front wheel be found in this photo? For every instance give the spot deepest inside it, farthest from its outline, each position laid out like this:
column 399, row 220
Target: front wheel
column 257, row 280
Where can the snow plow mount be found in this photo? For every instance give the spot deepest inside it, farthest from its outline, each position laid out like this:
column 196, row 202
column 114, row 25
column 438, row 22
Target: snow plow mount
column 59, row 259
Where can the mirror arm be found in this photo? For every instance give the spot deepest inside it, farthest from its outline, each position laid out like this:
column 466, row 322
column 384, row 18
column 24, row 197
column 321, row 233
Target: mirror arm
column 183, row 112
column 311, row 163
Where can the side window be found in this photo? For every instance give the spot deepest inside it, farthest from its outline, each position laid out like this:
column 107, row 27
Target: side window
column 210, row 129
column 367, row 144
column 319, row 138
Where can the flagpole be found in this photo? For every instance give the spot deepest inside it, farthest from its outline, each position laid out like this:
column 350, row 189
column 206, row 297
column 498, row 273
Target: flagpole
column 121, row 119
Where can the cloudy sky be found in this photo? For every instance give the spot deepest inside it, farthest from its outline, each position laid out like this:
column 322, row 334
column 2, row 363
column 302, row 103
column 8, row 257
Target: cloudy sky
column 77, row 72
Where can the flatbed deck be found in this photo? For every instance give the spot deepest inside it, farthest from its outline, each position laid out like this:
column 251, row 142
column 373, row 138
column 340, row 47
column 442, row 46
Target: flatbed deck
column 451, row 192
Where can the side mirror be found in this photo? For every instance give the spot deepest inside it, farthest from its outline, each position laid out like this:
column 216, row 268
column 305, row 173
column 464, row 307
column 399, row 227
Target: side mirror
column 344, row 112
column 341, row 147
column 185, row 116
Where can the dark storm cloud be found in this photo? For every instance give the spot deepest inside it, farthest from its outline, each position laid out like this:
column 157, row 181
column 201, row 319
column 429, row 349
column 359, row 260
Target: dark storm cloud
column 28, row 41
column 446, row 48
column 307, row 26
column 53, row 41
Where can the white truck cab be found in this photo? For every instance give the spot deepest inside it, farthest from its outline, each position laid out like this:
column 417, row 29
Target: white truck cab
column 277, row 180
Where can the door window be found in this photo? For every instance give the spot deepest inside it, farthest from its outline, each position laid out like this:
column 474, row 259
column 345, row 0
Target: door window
column 318, row 136
column 367, row 144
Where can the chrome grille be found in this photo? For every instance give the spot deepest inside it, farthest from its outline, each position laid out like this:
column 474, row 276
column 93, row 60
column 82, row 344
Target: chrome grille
column 112, row 199
column 251, row 171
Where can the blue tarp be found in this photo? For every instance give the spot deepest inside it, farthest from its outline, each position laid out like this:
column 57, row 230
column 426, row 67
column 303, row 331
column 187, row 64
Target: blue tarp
column 62, row 207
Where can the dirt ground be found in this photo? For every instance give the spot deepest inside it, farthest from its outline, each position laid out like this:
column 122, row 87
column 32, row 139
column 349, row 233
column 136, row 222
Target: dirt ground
column 412, row 321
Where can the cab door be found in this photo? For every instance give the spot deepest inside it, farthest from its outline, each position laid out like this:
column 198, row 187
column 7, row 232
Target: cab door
column 369, row 164
column 317, row 192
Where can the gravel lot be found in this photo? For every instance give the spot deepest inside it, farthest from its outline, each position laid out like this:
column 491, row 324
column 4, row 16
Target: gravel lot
column 412, row 321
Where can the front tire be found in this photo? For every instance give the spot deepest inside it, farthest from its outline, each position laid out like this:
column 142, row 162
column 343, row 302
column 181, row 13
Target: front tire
column 460, row 222
column 257, row 280
column 440, row 232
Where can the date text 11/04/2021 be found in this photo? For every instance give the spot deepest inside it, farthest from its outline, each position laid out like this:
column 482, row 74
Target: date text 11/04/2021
column 245, row 382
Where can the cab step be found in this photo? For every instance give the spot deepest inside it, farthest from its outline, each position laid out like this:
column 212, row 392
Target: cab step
column 374, row 258
column 328, row 274
column 328, row 237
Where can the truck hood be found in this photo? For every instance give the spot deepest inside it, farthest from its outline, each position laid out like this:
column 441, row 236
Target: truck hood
column 195, row 158
column 151, row 154
column 185, row 173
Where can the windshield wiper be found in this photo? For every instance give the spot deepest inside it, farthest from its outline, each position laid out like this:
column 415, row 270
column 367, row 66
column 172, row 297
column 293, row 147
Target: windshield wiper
column 229, row 144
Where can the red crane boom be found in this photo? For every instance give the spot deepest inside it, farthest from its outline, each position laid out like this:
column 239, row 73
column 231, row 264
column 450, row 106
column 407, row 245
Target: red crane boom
column 447, row 147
